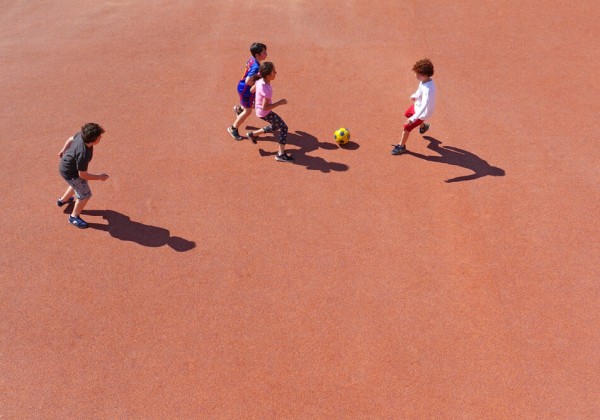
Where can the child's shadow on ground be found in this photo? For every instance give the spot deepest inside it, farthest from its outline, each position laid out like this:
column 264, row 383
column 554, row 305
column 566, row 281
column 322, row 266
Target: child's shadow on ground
column 122, row 227
column 458, row 157
column 308, row 143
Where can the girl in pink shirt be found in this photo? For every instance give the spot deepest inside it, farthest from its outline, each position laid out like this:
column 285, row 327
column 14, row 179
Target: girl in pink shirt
column 264, row 110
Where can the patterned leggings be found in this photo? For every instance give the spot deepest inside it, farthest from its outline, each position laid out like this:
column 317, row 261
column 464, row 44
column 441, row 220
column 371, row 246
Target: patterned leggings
column 276, row 124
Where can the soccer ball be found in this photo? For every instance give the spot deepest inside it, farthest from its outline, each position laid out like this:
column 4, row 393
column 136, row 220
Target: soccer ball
column 341, row 136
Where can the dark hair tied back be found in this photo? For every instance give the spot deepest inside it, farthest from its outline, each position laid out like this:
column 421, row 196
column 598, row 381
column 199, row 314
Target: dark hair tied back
column 266, row 68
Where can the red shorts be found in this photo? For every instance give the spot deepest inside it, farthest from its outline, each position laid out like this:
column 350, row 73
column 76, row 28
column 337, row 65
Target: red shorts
column 409, row 113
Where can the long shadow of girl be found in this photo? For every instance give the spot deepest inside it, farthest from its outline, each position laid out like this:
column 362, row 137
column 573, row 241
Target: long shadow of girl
column 458, row 157
column 308, row 143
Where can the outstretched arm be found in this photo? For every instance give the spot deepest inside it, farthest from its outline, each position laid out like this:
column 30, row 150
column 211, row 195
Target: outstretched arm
column 92, row 177
column 267, row 105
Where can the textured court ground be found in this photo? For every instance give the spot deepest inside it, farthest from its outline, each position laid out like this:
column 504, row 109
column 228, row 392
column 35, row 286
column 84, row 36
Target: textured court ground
column 460, row 280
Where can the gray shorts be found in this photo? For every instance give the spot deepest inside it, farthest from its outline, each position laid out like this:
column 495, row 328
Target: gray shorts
column 81, row 187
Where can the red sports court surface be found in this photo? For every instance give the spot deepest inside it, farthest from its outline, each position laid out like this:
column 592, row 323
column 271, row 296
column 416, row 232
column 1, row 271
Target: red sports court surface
column 458, row 280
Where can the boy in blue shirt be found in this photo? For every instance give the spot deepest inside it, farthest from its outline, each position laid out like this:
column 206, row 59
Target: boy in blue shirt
column 251, row 75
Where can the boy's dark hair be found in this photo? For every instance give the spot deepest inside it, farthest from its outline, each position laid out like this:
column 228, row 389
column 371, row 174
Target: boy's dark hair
column 424, row 66
column 266, row 68
column 257, row 48
column 90, row 132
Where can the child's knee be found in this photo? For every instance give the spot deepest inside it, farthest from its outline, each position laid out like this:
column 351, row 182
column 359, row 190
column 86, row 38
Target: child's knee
column 84, row 196
column 81, row 188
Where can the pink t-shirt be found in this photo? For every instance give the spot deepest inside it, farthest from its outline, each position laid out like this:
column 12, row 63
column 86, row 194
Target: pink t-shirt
column 263, row 90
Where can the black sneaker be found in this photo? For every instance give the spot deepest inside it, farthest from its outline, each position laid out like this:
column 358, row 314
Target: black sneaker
column 62, row 203
column 423, row 129
column 252, row 137
column 284, row 158
column 78, row 222
column 398, row 150
column 238, row 110
column 234, row 133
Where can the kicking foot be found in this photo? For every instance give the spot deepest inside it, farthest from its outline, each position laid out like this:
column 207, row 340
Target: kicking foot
column 284, row 158
column 398, row 150
column 252, row 137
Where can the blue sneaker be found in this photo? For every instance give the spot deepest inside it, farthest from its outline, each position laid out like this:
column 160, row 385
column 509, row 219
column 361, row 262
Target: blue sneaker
column 423, row 129
column 78, row 222
column 60, row 203
column 398, row 150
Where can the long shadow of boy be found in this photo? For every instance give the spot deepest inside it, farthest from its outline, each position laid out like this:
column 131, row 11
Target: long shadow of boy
column 458, row 157
column 308, row 143
column 122, row 227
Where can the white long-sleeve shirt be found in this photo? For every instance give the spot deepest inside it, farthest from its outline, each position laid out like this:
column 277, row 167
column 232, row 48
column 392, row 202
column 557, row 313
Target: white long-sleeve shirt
column 424, row 101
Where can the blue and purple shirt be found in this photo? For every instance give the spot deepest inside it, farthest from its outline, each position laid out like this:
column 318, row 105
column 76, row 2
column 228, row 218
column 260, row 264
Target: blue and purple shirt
column 252, row 67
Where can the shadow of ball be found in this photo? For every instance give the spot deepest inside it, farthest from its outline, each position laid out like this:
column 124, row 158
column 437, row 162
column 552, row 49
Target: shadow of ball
column 349, row 146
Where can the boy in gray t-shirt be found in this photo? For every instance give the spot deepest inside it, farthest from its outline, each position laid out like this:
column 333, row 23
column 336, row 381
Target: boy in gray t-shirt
column 75, row 156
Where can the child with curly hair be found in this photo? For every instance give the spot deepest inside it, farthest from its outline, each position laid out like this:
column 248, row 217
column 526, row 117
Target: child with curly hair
column 75, row 156
column 423, row 106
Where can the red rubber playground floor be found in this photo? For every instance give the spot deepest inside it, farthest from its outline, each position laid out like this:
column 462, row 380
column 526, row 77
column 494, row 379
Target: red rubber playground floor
column 460, row 280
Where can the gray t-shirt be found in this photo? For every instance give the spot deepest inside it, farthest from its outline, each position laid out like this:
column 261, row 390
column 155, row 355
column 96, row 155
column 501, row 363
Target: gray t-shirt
column 76, row 158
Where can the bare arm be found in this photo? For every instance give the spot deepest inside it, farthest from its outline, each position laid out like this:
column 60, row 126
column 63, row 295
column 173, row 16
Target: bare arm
column 92, row 177
column 267, row 105
column 65, row 147
column 420, row 107
column 250, row 80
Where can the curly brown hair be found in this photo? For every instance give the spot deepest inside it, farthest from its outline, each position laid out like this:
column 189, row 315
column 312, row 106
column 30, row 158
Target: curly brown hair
column 90, row 132
column 424, row 66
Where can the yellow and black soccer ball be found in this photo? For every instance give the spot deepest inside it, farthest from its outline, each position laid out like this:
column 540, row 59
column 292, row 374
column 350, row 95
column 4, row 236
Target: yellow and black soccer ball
column 341, row 136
